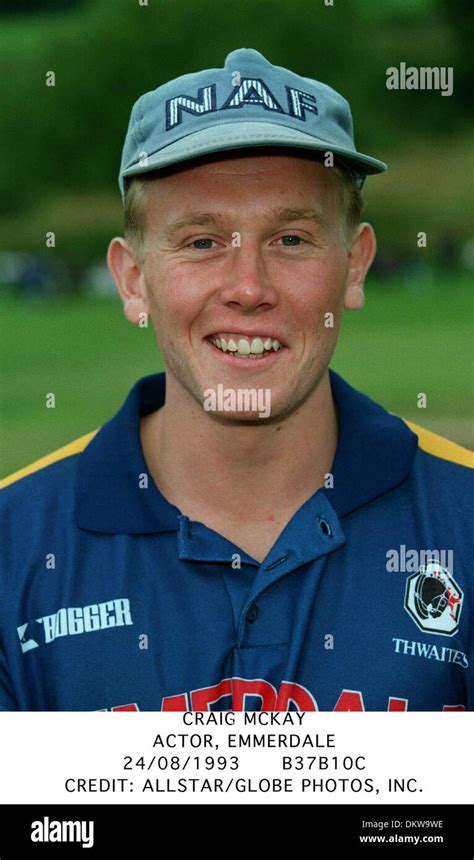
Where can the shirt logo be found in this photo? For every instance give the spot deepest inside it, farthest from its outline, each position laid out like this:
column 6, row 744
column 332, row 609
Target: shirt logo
column 434, row 600
column 73, row 620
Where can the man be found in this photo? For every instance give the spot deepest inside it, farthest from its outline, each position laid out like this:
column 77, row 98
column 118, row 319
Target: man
column 248, row 532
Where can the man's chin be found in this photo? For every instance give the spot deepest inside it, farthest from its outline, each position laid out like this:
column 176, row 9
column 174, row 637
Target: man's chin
column 240, row 419
column 246, row 407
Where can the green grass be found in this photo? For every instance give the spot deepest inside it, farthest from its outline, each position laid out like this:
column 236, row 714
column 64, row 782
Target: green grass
column 411, row 340
column 82, row 350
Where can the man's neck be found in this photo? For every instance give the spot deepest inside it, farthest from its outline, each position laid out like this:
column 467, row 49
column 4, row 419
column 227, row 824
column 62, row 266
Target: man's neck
column 237, row 471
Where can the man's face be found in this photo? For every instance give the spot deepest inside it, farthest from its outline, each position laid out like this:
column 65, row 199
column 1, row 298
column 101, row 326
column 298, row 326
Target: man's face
column 247, row 249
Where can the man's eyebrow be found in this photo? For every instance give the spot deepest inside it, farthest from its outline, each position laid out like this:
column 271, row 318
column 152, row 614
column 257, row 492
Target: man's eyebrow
column 284, row 215
column 280, row 216
column 196, row 219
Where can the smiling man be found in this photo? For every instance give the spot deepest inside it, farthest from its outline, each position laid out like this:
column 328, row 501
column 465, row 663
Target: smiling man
column 224, row 541
column 246, row 315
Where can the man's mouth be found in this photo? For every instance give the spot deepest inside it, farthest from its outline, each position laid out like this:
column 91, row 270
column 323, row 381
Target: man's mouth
column 243, row 346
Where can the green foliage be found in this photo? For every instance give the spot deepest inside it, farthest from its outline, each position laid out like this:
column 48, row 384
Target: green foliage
column 67, row 139
column 33, row 7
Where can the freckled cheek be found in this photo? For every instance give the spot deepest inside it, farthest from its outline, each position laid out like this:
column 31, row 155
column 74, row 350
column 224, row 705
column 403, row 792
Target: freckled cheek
column 319, row 309
column 175, row 301
column 320, row 292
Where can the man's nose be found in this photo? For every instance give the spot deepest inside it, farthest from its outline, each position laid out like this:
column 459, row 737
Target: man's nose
column 248, row 281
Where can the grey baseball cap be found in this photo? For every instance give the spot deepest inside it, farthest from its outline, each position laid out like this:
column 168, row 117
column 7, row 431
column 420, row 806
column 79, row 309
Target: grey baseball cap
column 248, row 103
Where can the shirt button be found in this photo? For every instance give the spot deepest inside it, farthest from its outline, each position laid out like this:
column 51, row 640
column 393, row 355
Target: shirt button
column 252, row 613
column 325, row 527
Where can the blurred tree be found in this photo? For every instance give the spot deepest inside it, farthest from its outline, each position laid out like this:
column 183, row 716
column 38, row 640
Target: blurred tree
column 67, row 139
column 31, row 7
column 458, row 17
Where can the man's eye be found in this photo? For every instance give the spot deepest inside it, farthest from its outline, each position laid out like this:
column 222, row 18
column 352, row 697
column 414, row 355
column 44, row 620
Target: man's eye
column 291, row 241
column 202, row 244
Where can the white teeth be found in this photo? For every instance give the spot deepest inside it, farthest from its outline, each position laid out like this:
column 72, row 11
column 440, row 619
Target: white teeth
column 243, row 347
column 256, row 347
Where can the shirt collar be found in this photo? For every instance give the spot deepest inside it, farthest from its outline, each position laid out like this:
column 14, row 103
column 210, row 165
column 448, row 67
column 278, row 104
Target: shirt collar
column 375, row 449
column 115, row 493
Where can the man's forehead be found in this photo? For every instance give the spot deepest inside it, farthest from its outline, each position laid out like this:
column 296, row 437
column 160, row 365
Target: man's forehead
column 299, row 193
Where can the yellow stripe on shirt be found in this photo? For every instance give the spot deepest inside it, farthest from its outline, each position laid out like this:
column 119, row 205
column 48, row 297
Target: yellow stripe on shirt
column 74, row 447
column 431, row 443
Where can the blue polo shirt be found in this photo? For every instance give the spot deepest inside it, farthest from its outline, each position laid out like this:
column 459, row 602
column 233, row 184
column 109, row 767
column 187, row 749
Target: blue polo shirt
column 111, row 599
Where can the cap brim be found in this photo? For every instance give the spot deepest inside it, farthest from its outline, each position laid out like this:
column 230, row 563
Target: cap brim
column 235, row 135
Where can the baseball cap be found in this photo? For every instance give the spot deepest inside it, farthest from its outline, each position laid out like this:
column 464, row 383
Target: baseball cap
column 247, row 103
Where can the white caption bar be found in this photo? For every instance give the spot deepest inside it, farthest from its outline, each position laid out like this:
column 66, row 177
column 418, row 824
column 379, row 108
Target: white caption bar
column 224, row 757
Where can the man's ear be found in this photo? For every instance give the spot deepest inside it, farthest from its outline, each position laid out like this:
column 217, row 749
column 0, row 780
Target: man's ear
column 361, row 254
column 127, row 274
